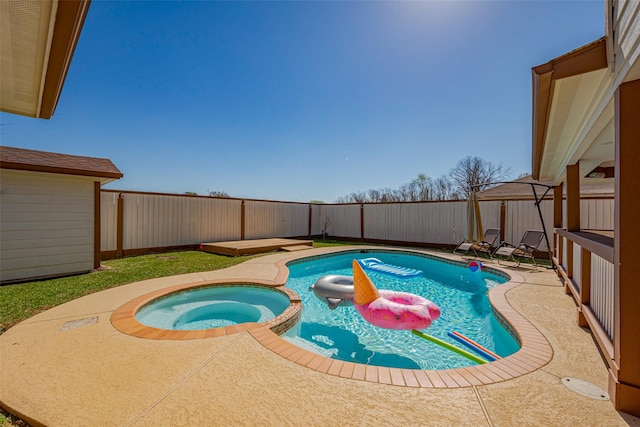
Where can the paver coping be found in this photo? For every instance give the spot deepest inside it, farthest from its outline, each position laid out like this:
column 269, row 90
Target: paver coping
column 535, row 351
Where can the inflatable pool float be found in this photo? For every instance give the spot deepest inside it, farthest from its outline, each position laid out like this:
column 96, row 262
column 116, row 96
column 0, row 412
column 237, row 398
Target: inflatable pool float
column 376, row 265
column 390, row 309
column 335, row 290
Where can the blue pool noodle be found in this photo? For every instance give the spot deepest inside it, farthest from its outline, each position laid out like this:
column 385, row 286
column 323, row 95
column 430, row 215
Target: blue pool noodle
column 482, row 353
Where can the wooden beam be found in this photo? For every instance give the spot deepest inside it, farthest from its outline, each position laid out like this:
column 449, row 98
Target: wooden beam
column 557, row 205
column 624, row 386
column 573, row 197
column 594, row 243
column 70, row 18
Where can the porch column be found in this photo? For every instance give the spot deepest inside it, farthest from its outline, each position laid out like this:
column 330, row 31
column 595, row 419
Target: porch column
column 573, row 197
column 624, row 378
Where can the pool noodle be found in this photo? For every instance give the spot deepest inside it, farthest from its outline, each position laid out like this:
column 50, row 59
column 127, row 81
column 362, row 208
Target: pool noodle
column 472, row 347
column 448, row 346
column 469, row 340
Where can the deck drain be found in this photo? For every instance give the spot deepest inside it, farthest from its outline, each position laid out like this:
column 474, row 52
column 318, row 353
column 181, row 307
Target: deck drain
column 72, row 324
column 585, row 388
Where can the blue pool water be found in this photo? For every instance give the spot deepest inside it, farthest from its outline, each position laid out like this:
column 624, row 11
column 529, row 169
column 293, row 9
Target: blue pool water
column 342, row 334
column 213, row 307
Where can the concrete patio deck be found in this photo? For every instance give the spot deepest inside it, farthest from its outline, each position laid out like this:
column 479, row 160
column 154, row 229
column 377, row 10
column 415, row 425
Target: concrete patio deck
column 96, row 375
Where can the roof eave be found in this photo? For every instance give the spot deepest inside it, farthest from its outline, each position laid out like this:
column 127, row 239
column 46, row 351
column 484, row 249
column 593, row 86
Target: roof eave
column 59, row 170
column 70, row 18
column 590, row 57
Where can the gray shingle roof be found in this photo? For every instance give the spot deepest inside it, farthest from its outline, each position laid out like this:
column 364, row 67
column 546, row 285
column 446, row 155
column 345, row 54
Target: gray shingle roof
column 43, row 161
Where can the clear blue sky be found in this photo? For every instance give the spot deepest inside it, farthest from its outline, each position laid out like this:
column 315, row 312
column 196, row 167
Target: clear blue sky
column 303, row 100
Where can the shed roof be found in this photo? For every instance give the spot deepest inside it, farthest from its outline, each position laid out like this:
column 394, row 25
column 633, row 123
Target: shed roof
column 512, row 190
column 509, row 190
column 43, row 161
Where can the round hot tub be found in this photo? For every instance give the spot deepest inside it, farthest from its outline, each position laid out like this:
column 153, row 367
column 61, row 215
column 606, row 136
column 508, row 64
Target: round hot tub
column 213, row 307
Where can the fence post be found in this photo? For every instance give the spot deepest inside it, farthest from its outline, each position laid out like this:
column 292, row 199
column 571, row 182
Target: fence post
column 96, row 224
column 242, row 218
column 310, row 214
column 503, row 219
column 361, row 221
column 120, row 226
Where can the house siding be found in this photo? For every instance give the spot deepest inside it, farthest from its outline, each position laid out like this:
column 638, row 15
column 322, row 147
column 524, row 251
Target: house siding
column 46, row 224
column 626, row 35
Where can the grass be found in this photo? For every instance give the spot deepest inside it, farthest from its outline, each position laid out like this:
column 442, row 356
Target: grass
column 21, row 301
column 8, row 420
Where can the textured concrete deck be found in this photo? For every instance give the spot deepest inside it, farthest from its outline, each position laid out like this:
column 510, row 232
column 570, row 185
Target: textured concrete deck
column 93, row 374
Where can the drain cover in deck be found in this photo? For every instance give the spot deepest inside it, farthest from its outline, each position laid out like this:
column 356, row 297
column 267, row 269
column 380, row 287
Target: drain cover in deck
column 585, row 388
column 72, row 324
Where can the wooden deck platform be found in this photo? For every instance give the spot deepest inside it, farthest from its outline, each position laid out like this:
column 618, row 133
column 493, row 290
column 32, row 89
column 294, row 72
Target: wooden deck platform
column 250, row 247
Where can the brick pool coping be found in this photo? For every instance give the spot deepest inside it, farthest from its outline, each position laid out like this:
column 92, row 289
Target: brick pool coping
column 124, row 318
column 534, row 353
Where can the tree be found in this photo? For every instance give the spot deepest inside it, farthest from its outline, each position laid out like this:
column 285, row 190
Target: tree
column 317, row 202
column 443, row 189
column 190, row 193
column 472, row 171
column 422, row 188
column 218, row 194
column 359, row 197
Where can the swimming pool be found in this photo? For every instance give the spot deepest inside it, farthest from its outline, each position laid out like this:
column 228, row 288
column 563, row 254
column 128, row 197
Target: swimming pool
column 342, row 334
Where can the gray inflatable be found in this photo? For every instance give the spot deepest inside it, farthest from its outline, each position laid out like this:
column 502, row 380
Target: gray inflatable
column 335, row 290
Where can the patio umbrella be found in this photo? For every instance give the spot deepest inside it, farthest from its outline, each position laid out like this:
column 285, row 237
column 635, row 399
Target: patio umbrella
column 474, row 220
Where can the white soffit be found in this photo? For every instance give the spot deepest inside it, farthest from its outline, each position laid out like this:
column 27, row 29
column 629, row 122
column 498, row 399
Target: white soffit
column 574, row 101
column 601, row 152
column 25, row 36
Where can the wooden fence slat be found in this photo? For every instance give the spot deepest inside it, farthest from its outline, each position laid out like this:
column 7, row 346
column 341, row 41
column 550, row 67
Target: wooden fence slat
column 158, row 220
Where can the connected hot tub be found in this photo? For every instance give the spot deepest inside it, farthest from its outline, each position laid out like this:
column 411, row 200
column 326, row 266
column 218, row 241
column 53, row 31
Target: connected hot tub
column 213, row 307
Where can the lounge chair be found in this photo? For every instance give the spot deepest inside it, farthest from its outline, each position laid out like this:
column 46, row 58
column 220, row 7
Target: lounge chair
column 526, row 248
column 489, row 241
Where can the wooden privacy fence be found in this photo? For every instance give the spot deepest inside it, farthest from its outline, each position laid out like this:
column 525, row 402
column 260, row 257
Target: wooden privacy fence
column 134, row 222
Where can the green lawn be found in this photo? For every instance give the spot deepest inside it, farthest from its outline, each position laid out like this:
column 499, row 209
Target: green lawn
column 21, row 301
column 8, row 420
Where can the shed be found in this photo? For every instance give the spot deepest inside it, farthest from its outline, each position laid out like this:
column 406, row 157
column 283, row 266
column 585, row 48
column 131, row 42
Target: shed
column 50, row 213
column 593, row 188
